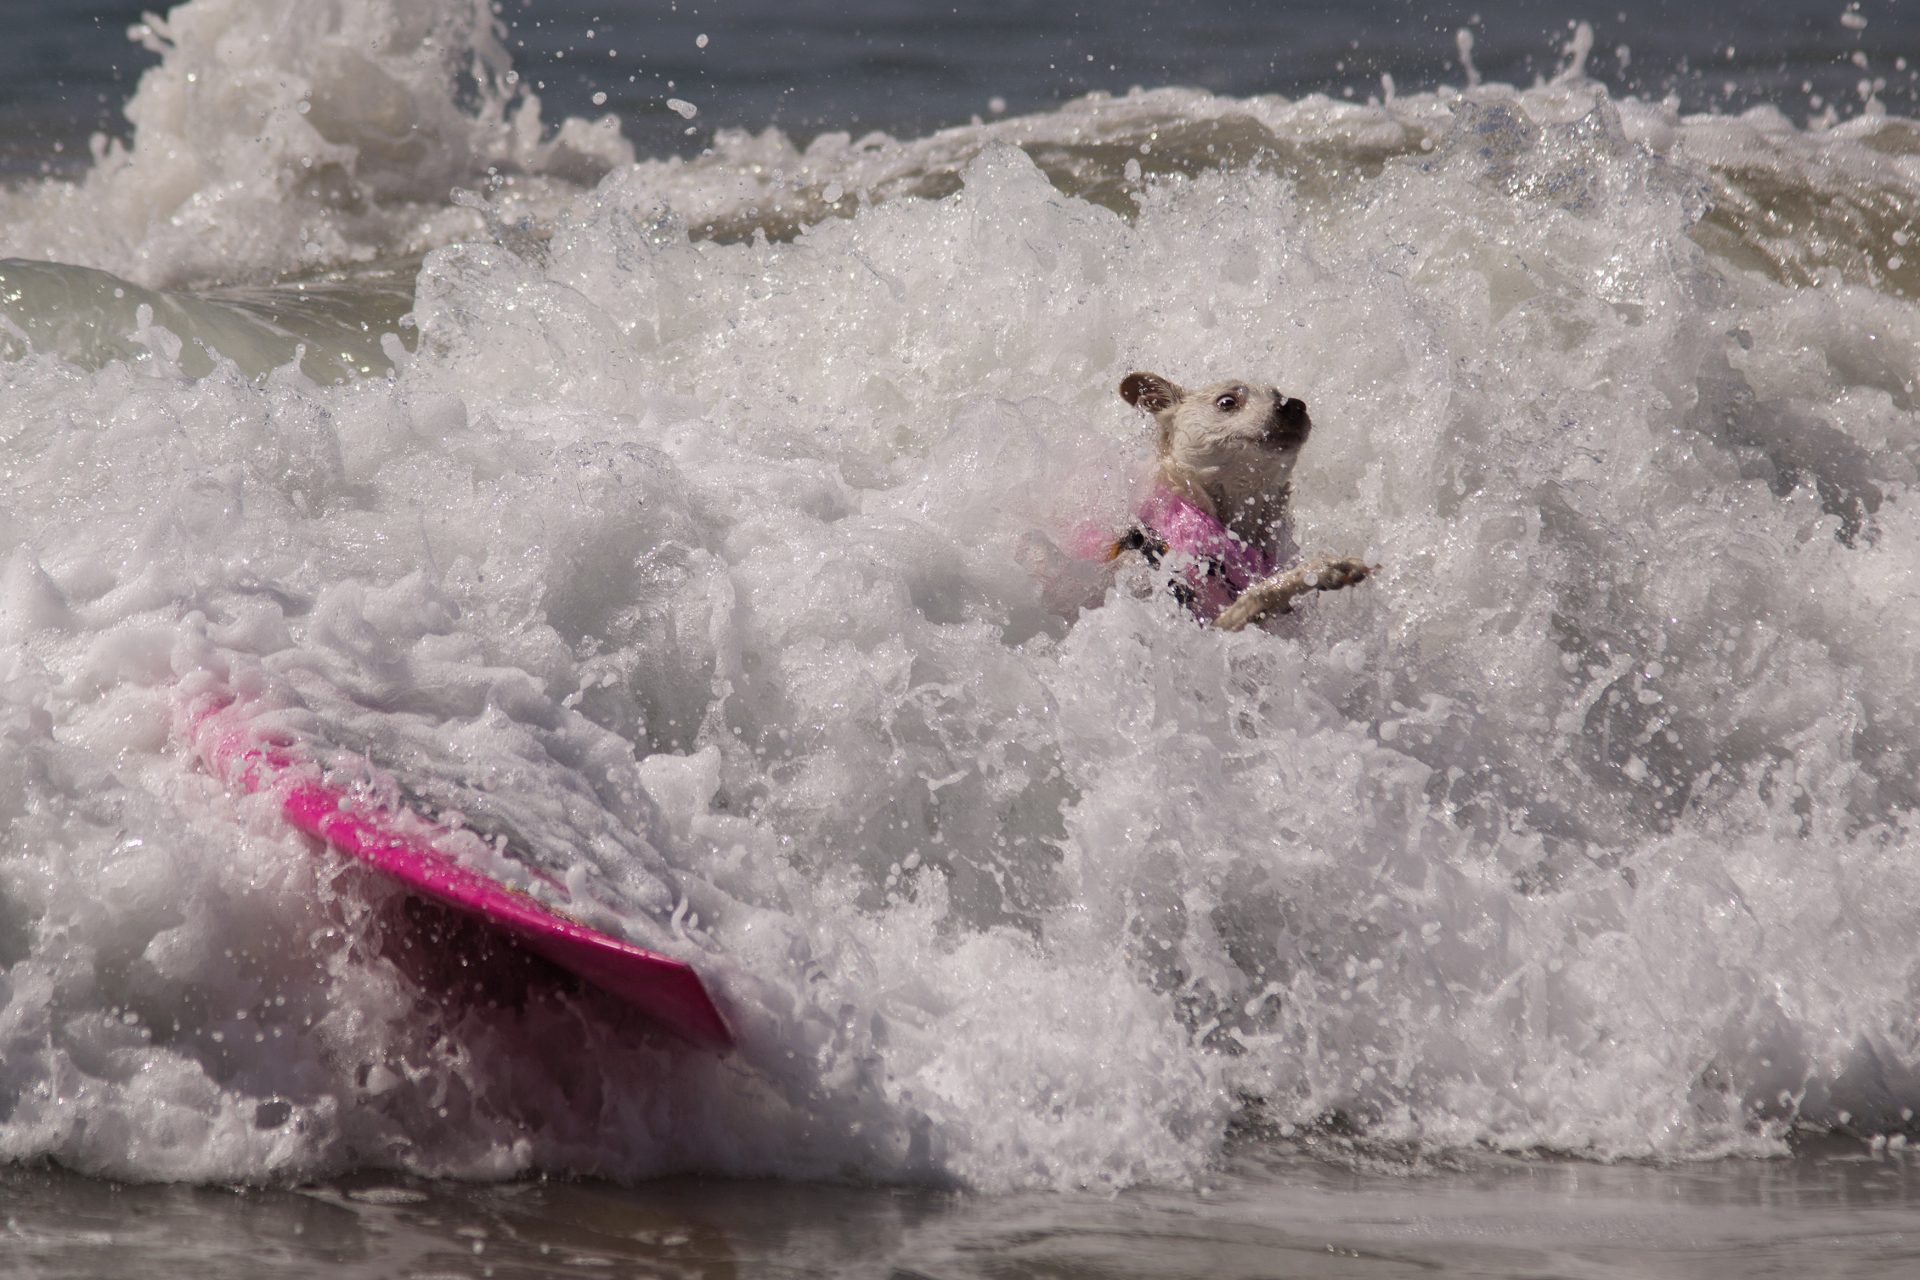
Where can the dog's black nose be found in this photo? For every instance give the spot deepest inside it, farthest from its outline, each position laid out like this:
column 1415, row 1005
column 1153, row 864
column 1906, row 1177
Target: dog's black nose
column 1289, row 425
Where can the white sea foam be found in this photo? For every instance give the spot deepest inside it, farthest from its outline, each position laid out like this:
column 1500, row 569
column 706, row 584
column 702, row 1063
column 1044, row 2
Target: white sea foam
column 728, row 572
column 278, row 137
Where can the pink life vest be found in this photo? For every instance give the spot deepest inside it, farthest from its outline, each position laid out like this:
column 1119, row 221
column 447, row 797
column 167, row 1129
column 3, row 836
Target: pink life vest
column 1212, row 564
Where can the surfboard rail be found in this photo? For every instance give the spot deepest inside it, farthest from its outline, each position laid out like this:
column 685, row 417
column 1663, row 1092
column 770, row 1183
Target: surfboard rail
column 404, row 845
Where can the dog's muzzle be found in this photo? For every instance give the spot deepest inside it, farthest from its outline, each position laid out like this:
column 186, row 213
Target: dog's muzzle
column 1290, row 424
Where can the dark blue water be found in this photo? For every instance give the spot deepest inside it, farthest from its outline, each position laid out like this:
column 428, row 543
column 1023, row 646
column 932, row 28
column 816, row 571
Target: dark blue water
column 907, row 67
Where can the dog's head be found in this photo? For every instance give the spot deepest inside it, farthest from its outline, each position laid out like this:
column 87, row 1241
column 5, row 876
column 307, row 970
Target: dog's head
column 1235, row 441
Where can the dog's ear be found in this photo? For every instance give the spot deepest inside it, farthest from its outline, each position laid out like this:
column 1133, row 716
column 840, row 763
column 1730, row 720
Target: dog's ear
column 1150, row 391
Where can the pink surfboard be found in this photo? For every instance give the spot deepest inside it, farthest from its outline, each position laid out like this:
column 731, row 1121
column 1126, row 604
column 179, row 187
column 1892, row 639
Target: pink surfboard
column 404, row 845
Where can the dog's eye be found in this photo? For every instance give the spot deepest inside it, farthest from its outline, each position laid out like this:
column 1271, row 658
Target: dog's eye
column 1227, row 403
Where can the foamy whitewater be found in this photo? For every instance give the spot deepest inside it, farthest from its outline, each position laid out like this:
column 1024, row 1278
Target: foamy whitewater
column 698, row 521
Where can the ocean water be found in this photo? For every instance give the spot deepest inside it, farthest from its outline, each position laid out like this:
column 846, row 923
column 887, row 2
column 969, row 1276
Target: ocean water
column 652, row 432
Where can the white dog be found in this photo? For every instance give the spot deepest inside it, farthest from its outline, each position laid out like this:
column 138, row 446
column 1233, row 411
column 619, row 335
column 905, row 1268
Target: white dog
column 1219, row 501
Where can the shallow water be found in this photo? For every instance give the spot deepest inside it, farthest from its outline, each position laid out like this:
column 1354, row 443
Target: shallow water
column 1296, row 1213
column 694, row 516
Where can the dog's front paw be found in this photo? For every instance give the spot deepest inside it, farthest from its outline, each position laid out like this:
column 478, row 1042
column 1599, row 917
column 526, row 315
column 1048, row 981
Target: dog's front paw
column 1331, row 575
column 1276, row 594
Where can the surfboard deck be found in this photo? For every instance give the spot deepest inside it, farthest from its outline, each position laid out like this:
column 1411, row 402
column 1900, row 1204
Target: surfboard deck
column 404, row 846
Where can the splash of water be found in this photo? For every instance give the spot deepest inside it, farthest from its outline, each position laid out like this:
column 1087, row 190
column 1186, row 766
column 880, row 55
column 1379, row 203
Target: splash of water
column 724, row 565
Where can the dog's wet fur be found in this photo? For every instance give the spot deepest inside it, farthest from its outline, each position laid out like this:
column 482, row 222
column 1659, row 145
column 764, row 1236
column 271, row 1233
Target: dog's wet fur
column 1229, row 448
